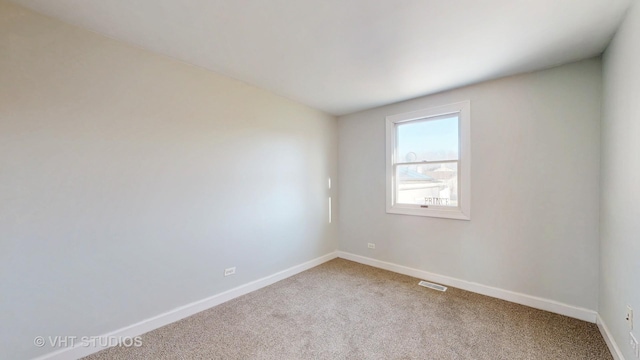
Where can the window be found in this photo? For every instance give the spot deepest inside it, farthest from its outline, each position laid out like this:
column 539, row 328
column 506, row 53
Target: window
column 428, row 162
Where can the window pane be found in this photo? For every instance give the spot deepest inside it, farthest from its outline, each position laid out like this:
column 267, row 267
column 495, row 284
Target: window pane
column 428, row 140
column 428, row 184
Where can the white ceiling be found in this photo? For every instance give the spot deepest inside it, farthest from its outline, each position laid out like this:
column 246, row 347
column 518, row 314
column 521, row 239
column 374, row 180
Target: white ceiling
column 342, row 56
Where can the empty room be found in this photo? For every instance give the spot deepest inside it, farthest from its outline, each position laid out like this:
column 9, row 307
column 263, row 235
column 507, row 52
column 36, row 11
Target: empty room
column 319, row 179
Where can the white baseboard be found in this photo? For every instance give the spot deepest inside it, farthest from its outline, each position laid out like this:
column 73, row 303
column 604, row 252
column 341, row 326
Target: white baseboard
column 78, row 351
column 182, row 312
column 518, row 298
column 608, row 338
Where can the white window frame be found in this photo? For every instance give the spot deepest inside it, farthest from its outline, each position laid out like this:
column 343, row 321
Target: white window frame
column 463, row 210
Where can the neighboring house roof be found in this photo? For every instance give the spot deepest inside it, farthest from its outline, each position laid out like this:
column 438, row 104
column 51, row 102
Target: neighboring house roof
column 407, row 174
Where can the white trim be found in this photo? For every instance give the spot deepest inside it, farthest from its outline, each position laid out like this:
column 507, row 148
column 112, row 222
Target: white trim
column 463, row 210
column 512, row 296
column 608, row 338
column 182, row 312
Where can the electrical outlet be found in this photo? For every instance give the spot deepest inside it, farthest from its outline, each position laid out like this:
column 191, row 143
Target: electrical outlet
column 629, row 317
column 371, row 246
column 229, row 271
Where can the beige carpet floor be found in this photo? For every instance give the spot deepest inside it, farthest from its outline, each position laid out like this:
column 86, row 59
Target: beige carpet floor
column 345, row 310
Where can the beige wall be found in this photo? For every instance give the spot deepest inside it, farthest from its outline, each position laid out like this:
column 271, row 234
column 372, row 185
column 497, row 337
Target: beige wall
column 129, row 181
column 534, row 183
column 620, row 192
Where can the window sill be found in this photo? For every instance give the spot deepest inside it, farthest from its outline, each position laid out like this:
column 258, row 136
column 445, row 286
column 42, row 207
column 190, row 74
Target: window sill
column 455, row 214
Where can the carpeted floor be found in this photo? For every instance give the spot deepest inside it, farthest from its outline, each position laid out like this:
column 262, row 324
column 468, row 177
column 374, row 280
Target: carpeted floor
column 345, row 310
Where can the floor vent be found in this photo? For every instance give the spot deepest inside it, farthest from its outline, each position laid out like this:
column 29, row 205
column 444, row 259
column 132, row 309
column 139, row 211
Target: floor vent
column 432, row 286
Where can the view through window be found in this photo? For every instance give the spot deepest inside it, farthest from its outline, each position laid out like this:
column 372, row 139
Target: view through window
column 426, row 168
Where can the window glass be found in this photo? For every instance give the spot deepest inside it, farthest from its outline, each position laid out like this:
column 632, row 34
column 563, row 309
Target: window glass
column 428, row 184
column 428, row 140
